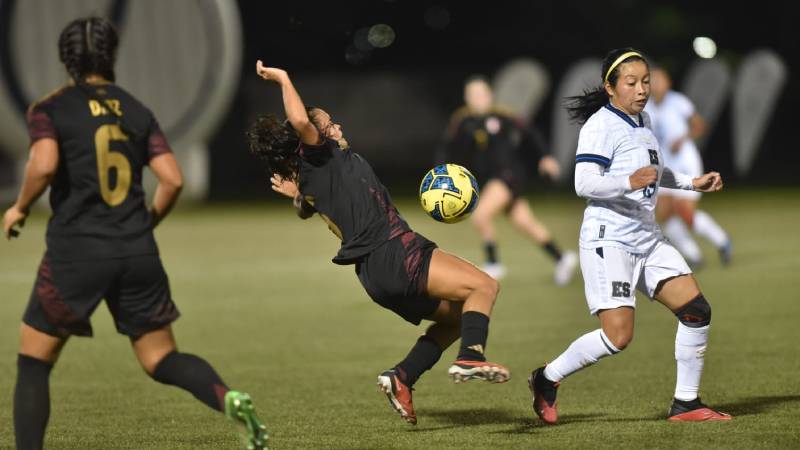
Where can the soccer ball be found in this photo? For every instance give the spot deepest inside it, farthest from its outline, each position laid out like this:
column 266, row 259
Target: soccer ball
column 448, row 193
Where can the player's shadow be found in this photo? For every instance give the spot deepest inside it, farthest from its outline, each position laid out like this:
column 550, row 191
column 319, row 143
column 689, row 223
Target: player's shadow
column 755, row 405
column 457, row 418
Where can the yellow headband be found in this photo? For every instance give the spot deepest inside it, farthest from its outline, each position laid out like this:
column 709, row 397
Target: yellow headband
column 621, row 58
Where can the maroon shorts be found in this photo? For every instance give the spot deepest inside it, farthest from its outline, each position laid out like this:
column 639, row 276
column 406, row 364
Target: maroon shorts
column 66, row 293
column 395, row 275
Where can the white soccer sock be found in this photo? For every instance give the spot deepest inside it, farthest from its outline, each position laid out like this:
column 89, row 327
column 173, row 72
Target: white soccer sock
column 583, row 352
column 705, row 226
column 690, row 350
column 677, row 232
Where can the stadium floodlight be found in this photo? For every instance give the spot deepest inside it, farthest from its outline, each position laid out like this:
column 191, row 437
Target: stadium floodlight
column 705, row 47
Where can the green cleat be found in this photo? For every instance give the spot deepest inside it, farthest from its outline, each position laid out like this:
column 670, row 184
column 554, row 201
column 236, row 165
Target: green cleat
column 239, row 408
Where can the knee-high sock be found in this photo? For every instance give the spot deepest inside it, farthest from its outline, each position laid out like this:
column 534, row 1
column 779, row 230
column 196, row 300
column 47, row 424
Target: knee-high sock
column 31, row 402
column 690, row 349
column 583, row 352
column 677, row 232
column 195, row 375
column 709, row 229
column 423, row 356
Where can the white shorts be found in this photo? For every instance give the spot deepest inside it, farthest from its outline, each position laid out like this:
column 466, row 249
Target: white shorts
column 687, row 161
column 611, row 274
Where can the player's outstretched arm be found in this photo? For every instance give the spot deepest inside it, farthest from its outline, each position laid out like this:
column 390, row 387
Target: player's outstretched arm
column 39, row 172
column 170, row 183
column 292, row 103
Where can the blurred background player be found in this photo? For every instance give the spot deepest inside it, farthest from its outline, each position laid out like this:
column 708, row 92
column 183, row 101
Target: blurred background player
column 677, row 125
column 312, row 163
column 90, row 141
column 619, row 170
column 501, row 149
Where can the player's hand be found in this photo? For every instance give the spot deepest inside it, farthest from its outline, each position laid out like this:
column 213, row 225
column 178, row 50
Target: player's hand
column 283, row 186
column 643, row 177
column 270, row 73
column 13, row 216
column 550, row 167
column 710, row 182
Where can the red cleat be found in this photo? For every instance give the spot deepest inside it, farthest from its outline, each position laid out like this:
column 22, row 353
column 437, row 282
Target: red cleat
column 694, row 411
column 544, row 396
column 399, row 395
column 463, row 370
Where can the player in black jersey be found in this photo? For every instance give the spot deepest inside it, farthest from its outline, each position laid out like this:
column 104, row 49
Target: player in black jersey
column 311, row 162
column 500, row 149
column 90, row 141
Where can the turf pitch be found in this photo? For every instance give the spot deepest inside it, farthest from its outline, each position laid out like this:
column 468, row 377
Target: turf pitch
column 264, row 304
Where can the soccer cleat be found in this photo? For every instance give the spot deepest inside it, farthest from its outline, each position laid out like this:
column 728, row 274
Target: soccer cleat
column 726, row 253
column 495, row 270
column 565, row 268
column 694, row 411
column 544, row 396
column 399, row 395
column 463, row 370
column 239, row 408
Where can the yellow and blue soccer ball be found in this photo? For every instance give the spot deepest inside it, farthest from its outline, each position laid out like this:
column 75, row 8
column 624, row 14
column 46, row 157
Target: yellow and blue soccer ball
column 448, row 193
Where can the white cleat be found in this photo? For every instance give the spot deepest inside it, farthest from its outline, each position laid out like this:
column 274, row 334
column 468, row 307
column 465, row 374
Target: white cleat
column 495, row 270
column 565, row 268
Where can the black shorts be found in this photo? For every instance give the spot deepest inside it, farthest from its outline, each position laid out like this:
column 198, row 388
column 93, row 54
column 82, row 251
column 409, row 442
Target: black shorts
column 395, row 275
column 66, row 294
column 514, row 179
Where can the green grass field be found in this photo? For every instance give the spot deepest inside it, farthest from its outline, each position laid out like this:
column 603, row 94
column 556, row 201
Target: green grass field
column 264, row 304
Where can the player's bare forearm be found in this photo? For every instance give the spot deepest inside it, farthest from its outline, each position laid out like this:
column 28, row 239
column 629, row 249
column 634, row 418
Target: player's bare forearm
column 163, row 201
column 292, row 103
column 39, row 172
column 170, row 183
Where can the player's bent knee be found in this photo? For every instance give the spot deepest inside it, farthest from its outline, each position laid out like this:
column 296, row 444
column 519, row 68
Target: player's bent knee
column 696, row 313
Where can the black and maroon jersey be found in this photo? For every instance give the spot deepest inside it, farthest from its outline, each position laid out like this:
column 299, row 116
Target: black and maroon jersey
column 344, row 190
column 97, row 197
column 491, row 145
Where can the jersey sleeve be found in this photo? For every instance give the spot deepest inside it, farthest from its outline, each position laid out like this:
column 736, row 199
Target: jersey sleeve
column 40, row 123
column 595, row 144
column 156, row 141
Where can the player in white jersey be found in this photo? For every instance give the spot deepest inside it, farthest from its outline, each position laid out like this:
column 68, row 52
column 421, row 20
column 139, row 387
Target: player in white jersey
column 676, row 125
column 619, row 170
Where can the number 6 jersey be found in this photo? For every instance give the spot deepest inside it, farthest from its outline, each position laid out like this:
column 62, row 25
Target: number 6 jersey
column 97, row 197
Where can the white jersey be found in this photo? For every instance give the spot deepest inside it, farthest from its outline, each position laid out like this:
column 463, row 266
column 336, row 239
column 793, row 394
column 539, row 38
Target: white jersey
column 621, row 144
column 670, row 122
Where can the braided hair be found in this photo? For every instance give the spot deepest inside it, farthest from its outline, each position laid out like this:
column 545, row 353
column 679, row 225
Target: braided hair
column 86, row 47
column 581, row 107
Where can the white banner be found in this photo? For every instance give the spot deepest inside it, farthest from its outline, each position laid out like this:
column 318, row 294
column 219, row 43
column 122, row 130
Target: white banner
column 521, row 85
column 757, row 89
column 707, row 83
column 583, row 75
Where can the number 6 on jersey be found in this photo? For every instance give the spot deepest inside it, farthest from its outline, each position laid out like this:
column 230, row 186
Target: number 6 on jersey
column 107, row 159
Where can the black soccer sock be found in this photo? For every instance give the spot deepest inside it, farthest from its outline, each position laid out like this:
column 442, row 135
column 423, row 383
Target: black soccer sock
column 491, row 252
column 552, row 249
column 474, row 331
column 195, row 375
column 31, row 402
column 423, row 356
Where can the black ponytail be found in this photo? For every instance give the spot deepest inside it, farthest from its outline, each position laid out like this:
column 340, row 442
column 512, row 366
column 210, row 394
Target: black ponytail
column 89, row 47
column 581, row 107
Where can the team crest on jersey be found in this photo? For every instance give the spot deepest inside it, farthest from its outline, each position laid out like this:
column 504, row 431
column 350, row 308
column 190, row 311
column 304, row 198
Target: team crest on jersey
column 653, row 156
